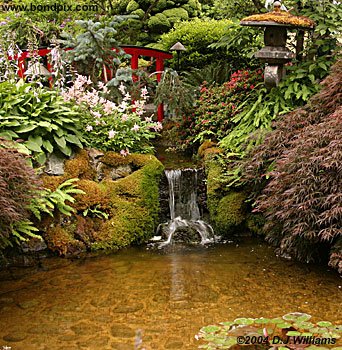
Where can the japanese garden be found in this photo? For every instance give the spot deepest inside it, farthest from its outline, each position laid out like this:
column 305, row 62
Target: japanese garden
column 170, row 174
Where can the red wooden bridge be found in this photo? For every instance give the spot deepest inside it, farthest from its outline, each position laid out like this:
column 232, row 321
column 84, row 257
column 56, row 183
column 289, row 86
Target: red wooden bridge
column 134, row 51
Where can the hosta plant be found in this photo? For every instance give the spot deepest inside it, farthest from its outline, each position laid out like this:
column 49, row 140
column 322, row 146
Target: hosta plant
column 40, row 119
column 290, row 332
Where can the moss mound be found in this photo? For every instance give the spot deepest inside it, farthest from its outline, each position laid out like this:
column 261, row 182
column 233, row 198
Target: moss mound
column 281, row 17
column 111, row 214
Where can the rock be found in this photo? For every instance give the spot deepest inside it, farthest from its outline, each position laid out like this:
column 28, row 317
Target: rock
column 122, row 331
column 174, row 344
column 54, row 165
column 84, row 328
column 120, row 171
column 29, row 304
column 15, row 337
column 125, row 309
column 33, row 245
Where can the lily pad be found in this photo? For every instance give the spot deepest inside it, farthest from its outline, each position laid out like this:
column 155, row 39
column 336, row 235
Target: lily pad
column 297, row 316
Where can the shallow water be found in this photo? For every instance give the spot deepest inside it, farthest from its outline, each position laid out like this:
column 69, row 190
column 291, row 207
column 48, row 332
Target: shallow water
column 99, row 303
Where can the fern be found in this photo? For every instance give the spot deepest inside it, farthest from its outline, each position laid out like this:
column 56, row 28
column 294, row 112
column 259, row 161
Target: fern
column 48, row 201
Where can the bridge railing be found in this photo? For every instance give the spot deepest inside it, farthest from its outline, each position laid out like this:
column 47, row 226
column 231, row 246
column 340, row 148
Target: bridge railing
column 134, row 51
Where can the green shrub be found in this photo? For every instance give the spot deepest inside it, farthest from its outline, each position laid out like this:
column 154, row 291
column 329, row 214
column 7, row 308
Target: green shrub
column 196, row 35
column 159, row 23
column 40, row 118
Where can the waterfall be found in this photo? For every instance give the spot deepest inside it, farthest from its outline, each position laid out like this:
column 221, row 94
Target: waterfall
column 185, row 222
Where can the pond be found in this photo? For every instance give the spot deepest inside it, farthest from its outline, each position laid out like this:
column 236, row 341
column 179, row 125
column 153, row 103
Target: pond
column 100, row 302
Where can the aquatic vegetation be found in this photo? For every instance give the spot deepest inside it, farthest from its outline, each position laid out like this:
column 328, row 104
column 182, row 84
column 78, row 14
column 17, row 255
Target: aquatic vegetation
column 292, row 331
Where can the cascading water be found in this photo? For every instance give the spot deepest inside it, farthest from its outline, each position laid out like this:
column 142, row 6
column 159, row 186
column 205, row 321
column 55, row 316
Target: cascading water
column 185, row 222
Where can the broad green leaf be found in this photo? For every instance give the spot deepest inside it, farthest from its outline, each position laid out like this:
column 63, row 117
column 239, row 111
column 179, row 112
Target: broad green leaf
column 66, row 150
column 60, row 141
column 48, row 146
column 26, row 128
column 31, row 145
column 74, row 139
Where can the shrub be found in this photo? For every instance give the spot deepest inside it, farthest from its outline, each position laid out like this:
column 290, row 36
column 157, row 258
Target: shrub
column 40, row 118
column 216, row 106
column 303, row 159
column 196, row 35
column 18, row 184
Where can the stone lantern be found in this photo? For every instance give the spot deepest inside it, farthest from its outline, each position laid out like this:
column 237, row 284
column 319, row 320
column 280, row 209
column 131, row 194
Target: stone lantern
column 275, row 53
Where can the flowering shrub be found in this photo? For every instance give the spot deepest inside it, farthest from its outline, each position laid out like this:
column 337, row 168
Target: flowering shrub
column 109, row 126
column 216, row 106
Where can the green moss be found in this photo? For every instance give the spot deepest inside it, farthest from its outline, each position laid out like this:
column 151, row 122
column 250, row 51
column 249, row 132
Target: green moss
column 95, row 195
column 205, row 145
column 132, row 204
column 230, row 213
column 132, row 6
column 61, row 241
column 79, row 167
column 161, row 5
column 214, row 191
column 255, row 223
column 227, row 210
column 135, row 208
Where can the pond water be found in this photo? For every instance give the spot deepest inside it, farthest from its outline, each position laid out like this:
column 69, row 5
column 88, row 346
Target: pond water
column 100, row 302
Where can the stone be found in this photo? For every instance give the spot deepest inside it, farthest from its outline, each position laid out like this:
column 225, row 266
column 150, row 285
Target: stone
column 120, row 171
column 33, row 245
column 15, row 337
column 126, row 309
column 122, row 331
column 54, row 165
column 29, row 304
column 84, row 328
column 174, row 344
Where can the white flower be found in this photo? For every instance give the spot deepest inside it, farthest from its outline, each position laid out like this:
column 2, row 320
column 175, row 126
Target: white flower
column 148, row 119
column 124, row 152
column 122, row 88
column 89, row 128
column 136, row 127
column 96, row 114
column 124, row 117
column 112, row 134
column 127, row 97
column 123, row 106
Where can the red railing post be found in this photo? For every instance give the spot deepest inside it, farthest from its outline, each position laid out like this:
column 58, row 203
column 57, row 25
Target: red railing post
column 160, row 68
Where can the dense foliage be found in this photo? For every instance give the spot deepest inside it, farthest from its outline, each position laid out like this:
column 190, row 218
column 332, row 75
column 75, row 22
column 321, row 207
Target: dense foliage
column 196, row 36
column 40, row 119
column 303, row 158
column 217, row 106
column 152, row 18
column 109, row 126
column 18, row 182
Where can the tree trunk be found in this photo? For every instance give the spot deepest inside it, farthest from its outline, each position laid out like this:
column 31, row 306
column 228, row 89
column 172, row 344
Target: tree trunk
column 259, row 5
